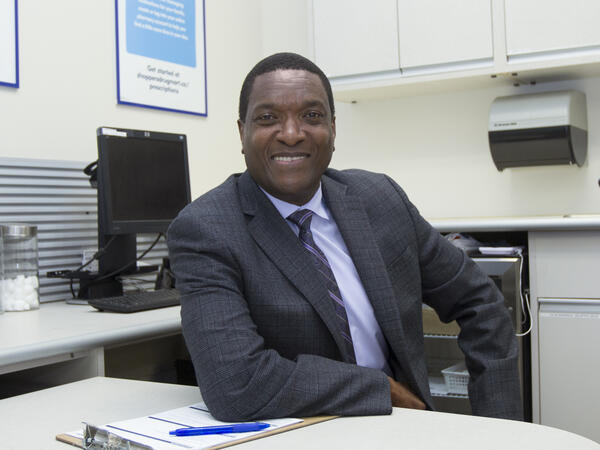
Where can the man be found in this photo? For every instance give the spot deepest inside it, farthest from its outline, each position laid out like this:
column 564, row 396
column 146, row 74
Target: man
column 302, row 286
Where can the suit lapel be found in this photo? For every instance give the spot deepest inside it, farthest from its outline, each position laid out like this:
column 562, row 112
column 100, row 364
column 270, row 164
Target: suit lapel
column 282, row 246
column 354, row 225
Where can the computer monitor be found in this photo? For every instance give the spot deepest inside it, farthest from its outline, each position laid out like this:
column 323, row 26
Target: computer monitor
column 143, row 183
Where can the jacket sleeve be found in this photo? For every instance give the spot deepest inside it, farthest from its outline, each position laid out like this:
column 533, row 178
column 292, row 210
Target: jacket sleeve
column 459, row 290
column 239, row 378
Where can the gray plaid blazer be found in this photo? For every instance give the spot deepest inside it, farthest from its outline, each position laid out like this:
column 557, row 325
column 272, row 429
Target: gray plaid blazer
column 260, row 328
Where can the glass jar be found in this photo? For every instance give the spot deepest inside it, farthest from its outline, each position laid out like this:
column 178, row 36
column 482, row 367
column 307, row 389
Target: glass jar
column 1, row 268
column 19, row 288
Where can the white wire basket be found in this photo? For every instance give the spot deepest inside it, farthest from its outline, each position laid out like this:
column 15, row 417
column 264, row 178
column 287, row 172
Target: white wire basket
column 456, row 378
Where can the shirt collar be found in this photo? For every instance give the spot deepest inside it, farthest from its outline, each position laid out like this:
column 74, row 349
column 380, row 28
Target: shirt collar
column 315, row 204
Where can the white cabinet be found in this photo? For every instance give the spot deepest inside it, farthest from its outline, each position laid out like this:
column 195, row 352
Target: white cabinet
column 552, row 25
column 569, row 332
column 565, row 304
column 566, row 263
column 355, row 37
column 433, row 32
column 387, row 48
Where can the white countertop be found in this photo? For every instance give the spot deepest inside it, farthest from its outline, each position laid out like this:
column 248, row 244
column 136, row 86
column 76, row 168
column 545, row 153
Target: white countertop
column 524, row 223
column 58, row 328
column 32, row 421
column 424, row 430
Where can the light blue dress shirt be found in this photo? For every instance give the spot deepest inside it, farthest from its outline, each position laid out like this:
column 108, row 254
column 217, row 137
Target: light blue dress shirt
column 370, row 347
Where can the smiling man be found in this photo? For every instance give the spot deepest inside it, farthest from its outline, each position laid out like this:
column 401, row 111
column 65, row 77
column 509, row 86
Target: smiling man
column 287, row 132
column 302, row 286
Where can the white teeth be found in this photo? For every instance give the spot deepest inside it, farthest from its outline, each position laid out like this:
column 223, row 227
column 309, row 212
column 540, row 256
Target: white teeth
column 288, row 158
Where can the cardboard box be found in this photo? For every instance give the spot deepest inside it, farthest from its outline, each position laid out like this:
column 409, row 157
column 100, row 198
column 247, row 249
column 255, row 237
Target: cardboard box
column 433, row 325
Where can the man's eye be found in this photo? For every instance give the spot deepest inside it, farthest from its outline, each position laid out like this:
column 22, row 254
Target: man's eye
column 313, row 115
column 265, row 117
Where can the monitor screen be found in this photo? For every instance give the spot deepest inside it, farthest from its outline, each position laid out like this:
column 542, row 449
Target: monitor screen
column 143, row 180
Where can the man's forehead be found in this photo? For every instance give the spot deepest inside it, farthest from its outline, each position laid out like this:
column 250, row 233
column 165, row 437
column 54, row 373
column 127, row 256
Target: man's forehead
column 288, row 81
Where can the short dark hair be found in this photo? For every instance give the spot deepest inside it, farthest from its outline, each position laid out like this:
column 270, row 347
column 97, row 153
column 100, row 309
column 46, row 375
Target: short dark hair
column 281, row 61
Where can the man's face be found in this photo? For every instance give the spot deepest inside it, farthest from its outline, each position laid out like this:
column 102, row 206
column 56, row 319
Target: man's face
column 288, row 134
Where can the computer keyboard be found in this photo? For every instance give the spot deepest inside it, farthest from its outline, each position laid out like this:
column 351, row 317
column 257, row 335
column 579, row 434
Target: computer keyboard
column 137, row 301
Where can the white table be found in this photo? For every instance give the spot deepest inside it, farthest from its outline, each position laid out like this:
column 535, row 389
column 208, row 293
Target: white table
column 75, row 335
column 32, row 421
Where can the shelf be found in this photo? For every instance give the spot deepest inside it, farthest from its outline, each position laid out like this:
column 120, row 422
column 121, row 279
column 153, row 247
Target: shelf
column 441, row 336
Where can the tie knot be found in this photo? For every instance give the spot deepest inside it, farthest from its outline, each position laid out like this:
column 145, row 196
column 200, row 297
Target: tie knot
column 302, row 218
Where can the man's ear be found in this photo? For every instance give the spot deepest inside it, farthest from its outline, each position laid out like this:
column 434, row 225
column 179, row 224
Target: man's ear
column 333, row 133
column 240, row 125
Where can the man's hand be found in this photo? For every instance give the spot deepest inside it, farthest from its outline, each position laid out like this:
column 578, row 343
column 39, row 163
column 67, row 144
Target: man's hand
column 403, row 397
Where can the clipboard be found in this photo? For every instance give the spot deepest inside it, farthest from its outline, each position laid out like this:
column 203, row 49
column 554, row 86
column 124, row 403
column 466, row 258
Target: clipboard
column 124, row 444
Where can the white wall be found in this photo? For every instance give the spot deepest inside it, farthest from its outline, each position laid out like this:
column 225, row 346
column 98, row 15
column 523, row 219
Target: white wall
column 286, row 27
column 436, row 148
column 68, row 86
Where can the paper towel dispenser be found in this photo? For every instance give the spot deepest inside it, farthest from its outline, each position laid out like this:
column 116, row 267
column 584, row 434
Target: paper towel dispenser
column 538, row 129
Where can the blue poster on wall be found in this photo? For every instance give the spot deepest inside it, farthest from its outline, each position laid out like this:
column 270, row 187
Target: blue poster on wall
column 9, row 48
column 161, row 55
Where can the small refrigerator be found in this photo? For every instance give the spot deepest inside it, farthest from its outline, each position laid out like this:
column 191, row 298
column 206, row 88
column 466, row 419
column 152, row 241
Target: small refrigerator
column 441, row 347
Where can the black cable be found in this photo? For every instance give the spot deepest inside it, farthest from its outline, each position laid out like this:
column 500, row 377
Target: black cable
column 98, row 254
column 126, row 266
column 92, row 259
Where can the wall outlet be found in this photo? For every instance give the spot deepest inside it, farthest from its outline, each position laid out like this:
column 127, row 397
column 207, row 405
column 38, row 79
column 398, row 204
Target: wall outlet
column 88, row 253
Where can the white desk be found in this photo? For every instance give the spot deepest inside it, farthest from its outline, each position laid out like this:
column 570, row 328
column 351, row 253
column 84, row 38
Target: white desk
column 32, row 421
column 58, row 332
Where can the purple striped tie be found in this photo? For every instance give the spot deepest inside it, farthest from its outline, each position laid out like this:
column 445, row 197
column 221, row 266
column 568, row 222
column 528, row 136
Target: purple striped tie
column 302, row 218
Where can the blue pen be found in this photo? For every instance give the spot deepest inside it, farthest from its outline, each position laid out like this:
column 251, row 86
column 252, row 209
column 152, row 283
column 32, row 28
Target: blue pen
column 220, row 429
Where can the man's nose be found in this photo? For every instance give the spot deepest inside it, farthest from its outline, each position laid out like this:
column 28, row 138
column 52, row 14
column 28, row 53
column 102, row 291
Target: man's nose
column 291, row 131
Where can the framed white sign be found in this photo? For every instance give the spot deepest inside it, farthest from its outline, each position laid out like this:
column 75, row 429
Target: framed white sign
column 161, row 55
column 9, row 44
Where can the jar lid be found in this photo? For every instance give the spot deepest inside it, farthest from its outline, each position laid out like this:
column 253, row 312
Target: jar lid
column 18, row 230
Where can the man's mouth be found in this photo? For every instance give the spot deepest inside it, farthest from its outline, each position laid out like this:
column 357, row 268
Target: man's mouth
column 289, row 158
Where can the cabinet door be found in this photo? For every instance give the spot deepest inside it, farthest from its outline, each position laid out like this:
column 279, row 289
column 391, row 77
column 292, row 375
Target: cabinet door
column 569, row 332
column 565, row 263
column 435, row 32
column 552, row 25
column 355, row 36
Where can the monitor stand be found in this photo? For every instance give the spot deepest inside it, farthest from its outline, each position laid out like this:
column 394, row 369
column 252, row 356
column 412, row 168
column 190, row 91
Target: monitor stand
column 89, row 288
column 109, row 287
column 118, row 258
